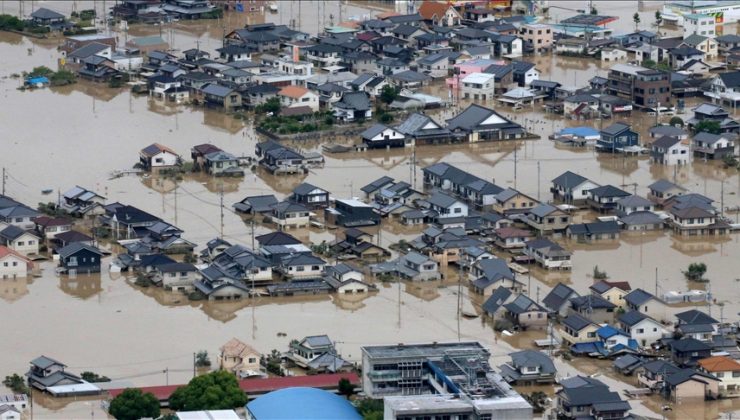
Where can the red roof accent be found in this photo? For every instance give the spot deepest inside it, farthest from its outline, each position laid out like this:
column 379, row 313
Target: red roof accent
column 260, row 385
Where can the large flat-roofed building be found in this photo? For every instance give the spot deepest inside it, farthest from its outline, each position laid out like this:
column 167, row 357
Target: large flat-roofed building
column 445, row 380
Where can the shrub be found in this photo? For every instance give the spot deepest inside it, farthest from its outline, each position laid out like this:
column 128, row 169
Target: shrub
column 16, row 383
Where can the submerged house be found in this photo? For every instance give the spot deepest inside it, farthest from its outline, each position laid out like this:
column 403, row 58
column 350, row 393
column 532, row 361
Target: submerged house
column 351, row 213
column 220, row 163
column 477, row 123
column 412, row 266
column 310, row 196
column 529, row 367
column 80, row 258
column 156, row 156
column 49, row 375
column 618, row 137
column 381, row 136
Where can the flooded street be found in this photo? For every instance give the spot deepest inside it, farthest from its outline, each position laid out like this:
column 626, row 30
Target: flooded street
column 77, row 135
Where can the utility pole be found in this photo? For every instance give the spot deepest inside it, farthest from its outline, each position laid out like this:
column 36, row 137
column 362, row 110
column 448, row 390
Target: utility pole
column 251, row 225
column 538, row 180
column 221, row 195
column 193, row 365
column 4, row 178
column 656, row 282
column 538, row 295
column 175, row 204
column 722, row 199
column 515, row 162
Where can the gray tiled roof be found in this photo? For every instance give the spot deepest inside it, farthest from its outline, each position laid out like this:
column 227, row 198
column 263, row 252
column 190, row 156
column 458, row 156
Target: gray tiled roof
column 569, row 180
column 533, row 358
column 496, row 300
column 637, row 297
column 558, row 296
column 576, row 322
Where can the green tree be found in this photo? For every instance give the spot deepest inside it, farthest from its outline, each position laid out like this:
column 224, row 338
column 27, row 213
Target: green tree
column 132, row 404
column 94, row 377
column 730, row 161
column 600, row 275
column 345, row 387
column 271, row 105
column 273, row 361
column 650, row 64
column 16, row 383
column 708, row 126
column 370, row 409
column 202, row 359
column 696, row 271
column 41, row 71
column 594, row 11
column 676, row 121
column 388, row 94
column 658, row 18
column 62, row 77
column 215, row 391
column 636, row 19
column 12, row 23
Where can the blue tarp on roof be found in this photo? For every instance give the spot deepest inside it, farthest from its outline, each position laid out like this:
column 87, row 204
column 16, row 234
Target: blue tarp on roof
column 580, row 131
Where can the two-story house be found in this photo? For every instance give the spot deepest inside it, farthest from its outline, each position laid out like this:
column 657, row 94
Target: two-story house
column 669, row 151
column 696, row 324
column 713, row 146
column 302, row 265
column 558, row 300
column 642, row 328
column 80, row 258
column 576, row 329
column 22, row 241
column 298, row 96
column 612, row 291
column 239, row 358
column 526, row 313
column 604, row 198
column 290, row 214
column 633, row 203
column 618, row 137
column 529, row 367
column 583, row 396
column 310, row 195
column 727, row 370
column 546, row 219
column 645, row 302
column 688, row 351
column 572, row 188
column 13, row 264
column 447, row 206
column 662, row 190
column 548, row 254
column 478, row 86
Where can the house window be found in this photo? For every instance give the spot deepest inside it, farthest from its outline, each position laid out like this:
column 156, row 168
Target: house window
column 21, row 243
column 301, row 268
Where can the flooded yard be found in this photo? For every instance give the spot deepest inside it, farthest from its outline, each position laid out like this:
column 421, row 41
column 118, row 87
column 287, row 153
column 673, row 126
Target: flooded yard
column 77, row 135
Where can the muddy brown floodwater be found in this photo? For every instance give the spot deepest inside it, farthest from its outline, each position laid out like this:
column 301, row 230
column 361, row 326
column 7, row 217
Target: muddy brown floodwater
column 57, row 138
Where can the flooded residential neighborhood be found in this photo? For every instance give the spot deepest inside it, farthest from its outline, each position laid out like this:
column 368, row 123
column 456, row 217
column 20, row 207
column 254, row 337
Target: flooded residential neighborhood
column 422, row 199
